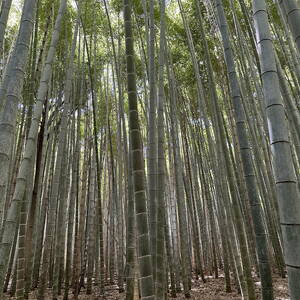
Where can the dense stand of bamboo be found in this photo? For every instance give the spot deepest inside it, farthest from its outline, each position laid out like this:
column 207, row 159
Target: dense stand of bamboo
column 145, row 144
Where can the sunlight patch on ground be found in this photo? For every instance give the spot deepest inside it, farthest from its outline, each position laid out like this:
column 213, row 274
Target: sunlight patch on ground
column 281, row 287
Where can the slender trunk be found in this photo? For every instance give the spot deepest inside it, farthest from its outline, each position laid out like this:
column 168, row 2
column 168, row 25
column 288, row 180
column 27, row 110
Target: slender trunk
column 144, row 252
column 12, row 88
column 248, row 167
column 284, row 173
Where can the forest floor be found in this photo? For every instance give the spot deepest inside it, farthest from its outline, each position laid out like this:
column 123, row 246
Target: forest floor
column 213, row 289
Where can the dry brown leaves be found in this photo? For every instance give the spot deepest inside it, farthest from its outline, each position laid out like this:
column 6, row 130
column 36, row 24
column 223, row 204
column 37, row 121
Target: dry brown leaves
column 213, row 289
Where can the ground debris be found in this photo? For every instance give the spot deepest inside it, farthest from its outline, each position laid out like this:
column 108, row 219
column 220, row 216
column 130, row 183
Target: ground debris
column 213, row 289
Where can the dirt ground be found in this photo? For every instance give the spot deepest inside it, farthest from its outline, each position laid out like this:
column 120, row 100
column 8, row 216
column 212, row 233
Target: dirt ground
column 213, row 289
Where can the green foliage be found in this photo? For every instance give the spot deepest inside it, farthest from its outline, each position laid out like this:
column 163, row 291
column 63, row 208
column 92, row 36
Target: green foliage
column 95, row 37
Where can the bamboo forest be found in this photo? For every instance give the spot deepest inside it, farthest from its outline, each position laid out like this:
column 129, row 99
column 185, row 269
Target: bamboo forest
column 149, row 149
